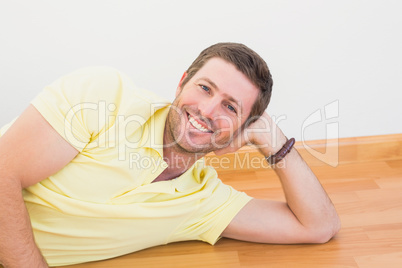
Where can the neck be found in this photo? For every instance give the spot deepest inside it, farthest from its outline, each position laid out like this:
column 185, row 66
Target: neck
column 178, row 160
column 178, row 163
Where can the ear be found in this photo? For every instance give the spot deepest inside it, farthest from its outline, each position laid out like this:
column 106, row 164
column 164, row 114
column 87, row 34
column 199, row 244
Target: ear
column 178, row 90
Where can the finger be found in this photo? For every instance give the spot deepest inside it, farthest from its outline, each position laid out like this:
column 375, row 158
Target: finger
column 238, row 141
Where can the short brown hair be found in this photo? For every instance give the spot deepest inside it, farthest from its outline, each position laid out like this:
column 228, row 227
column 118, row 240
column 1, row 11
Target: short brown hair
column 246, row 61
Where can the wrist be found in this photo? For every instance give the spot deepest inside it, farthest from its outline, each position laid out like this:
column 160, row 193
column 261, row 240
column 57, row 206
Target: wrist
column 272, row 145
column 286, row 148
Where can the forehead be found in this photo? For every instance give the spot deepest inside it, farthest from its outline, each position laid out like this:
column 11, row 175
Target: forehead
column 229, row 82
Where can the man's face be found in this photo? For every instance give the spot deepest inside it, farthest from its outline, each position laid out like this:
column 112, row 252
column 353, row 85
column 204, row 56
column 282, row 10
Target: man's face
column 210, row 108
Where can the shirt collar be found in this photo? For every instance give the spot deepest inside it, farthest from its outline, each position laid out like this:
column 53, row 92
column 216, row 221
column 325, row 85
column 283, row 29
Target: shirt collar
column 154, row 128
column 195, row 177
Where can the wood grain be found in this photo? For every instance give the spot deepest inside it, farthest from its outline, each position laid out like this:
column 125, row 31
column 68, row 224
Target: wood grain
column 340, row 151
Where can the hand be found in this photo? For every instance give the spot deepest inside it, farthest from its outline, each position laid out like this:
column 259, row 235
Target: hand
column 264, row 134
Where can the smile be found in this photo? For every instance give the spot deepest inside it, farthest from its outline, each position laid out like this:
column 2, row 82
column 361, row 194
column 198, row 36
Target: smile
column 197, row 125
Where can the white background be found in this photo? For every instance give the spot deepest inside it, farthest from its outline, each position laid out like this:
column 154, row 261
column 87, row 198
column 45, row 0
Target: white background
column 345, row 53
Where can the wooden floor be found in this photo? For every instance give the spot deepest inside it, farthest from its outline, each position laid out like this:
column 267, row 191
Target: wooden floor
column 367, row 195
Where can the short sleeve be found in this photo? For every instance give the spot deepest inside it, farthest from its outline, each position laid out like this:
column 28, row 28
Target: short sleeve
column 78, row 105
column 217, row 205
column 219, row 218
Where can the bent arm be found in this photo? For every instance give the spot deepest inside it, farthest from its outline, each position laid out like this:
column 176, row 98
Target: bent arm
column 308, row 216
column 30, row 151
column 17, row 245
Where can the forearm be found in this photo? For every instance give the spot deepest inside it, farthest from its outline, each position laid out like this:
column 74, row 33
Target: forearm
column 17, row 245
column 305, row 196
column 308, row 216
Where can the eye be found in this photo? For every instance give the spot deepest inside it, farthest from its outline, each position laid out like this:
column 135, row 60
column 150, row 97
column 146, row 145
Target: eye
column 231, row 108
column 205, row 88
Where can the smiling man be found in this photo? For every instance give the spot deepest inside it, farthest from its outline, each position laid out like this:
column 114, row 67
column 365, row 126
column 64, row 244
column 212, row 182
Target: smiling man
column 209, row 109
column 106, row 168
column 216, row 101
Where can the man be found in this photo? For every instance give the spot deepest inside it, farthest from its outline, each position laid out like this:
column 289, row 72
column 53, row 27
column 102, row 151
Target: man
column 107, row 168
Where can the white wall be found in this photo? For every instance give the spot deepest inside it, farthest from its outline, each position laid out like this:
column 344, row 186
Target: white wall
column 341, row 54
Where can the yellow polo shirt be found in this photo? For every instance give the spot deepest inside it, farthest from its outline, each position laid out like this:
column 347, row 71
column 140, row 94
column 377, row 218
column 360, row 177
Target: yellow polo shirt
column 103, row 204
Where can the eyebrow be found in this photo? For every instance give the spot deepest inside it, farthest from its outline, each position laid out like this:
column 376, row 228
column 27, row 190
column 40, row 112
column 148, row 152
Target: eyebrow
column 229, row 97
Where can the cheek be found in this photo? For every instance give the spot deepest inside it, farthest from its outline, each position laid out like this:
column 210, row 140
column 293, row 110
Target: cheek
column 186, row 99
column 226, row 124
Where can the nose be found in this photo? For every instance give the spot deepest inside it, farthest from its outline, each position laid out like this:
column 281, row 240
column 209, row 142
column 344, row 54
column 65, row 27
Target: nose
column 209, row 107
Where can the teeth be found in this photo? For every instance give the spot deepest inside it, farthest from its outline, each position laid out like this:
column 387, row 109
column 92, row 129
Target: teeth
column 197, row 125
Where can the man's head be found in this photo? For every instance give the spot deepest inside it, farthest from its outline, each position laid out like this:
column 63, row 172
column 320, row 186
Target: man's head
column 226, row 88
column 246, row 61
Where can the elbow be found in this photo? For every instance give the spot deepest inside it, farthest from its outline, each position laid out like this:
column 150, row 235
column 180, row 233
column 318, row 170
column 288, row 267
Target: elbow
column 327, row 236
column 335, row 227
column 326, row 231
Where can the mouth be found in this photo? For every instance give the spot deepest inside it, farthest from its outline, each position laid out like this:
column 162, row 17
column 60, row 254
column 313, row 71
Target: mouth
column 197, row 125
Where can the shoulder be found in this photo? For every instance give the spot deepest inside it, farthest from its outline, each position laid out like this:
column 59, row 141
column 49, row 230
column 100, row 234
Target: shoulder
column 94, row 74
column 95, row 70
